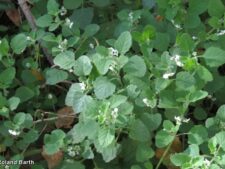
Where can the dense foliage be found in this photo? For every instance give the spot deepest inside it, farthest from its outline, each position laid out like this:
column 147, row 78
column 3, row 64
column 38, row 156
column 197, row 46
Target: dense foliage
column 113, row 84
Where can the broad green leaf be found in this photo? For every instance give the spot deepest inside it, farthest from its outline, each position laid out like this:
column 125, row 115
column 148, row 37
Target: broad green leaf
column 197, row 135
column 216, row 8
column 198, row 6
column 74, row 88
column 197, row 95
column 101, row 3
column 105, row 137
column 19, row 118
column 81, row 102
column 65, row 60
column 7, row 76
column 204, row 73
column 185, row 42
column 24, row 93
column 220, row 114
column 163, row 138
column 214, row 56
column 135, row 66
column 52, row 7
column 91, row 30
column 185, row 81
column 144, row 152
column 82, row 66
column 110, row 152
column 19, row 43
column 71, row 4
column 117, row 100
column 124, row 42
column 82, row 16
column 161, row 41
column 219, row 138
column 44, row 21
column 54, row 76
column 102, row 63
column 72, row 164
column 152, row 121
column 103, row 88
column 4, row 48
column 13, row 103
column 180, row 158
column 31, row 136
column 139, row 131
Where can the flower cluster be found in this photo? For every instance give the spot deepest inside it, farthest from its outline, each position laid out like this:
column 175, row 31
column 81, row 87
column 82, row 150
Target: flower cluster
column 113, row 52
column 63, row 45
column 63, row 11
column 114, row 113
column 167, row 75
column 177, row 60
column 14, row 132
column 82, row 86
column 220, row 33
column 69, row 23
column 73, row 151
column 180, row 119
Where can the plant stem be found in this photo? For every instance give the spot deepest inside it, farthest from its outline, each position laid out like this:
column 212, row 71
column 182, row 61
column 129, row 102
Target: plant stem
column 164, row 155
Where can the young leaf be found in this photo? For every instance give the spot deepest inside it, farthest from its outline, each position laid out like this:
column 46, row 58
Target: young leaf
column 123, row 43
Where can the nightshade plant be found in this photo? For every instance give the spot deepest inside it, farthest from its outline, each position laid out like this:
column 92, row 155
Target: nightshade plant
column 109, row 84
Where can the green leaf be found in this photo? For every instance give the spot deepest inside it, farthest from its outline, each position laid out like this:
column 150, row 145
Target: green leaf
column 152, row 121
column 197, row 95
column 7, row 76
column 13, row 103
column 71, row 4
column 197, row 135
column 4, row 48
column 72, row 164
column 135, row 66
column 82, row 16
column 185, row 81
column 139, row 132
column 220, row 114
column 82, row 66
column 19, row 43
column 110, row 152
column 52, row 7
column 219, row 138
column 31, row 136
column 44, row 21
column 102, row 63
column 101, row 3
column 144, row 152
column 180, row 158
column 117, row 100
column 216, row 8
column 81, row 102
column 24, row 93
column 103, row 88
column 54, row 76
column 91, row 30
column 161, row 41
column 163, row 138
column 214, row 56
column 198, row 6
column 65, row 60
column 124, row 42
column 19, row 118
column 105, row 137
column 185, row 42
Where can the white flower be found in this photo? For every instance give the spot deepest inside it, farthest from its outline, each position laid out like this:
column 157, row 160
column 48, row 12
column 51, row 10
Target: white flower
column 6, row 167
column 63, row 11
column 194, row 53
column 221, row 32
column 14, row 132
column 130, row 15
column 194, row 37
column 177, row 60
column 28, row 38
column 167, row 75
column 113, row 52
column 178, row 120
column 28, row 65
column 71, row 70
column 146, row 102
column 207, row 162
column 70, row 148
column 63, row 45
column 0, row 41
column 50, row 96
column 91, row 45
column 176, row 25
column 186, row 120
column 72, row 153
column 114, row 113
column 82, row 86
column 69, row 23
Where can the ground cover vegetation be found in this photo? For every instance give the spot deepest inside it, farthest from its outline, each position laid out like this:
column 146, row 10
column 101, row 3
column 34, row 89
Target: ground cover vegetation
column 112, row 84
